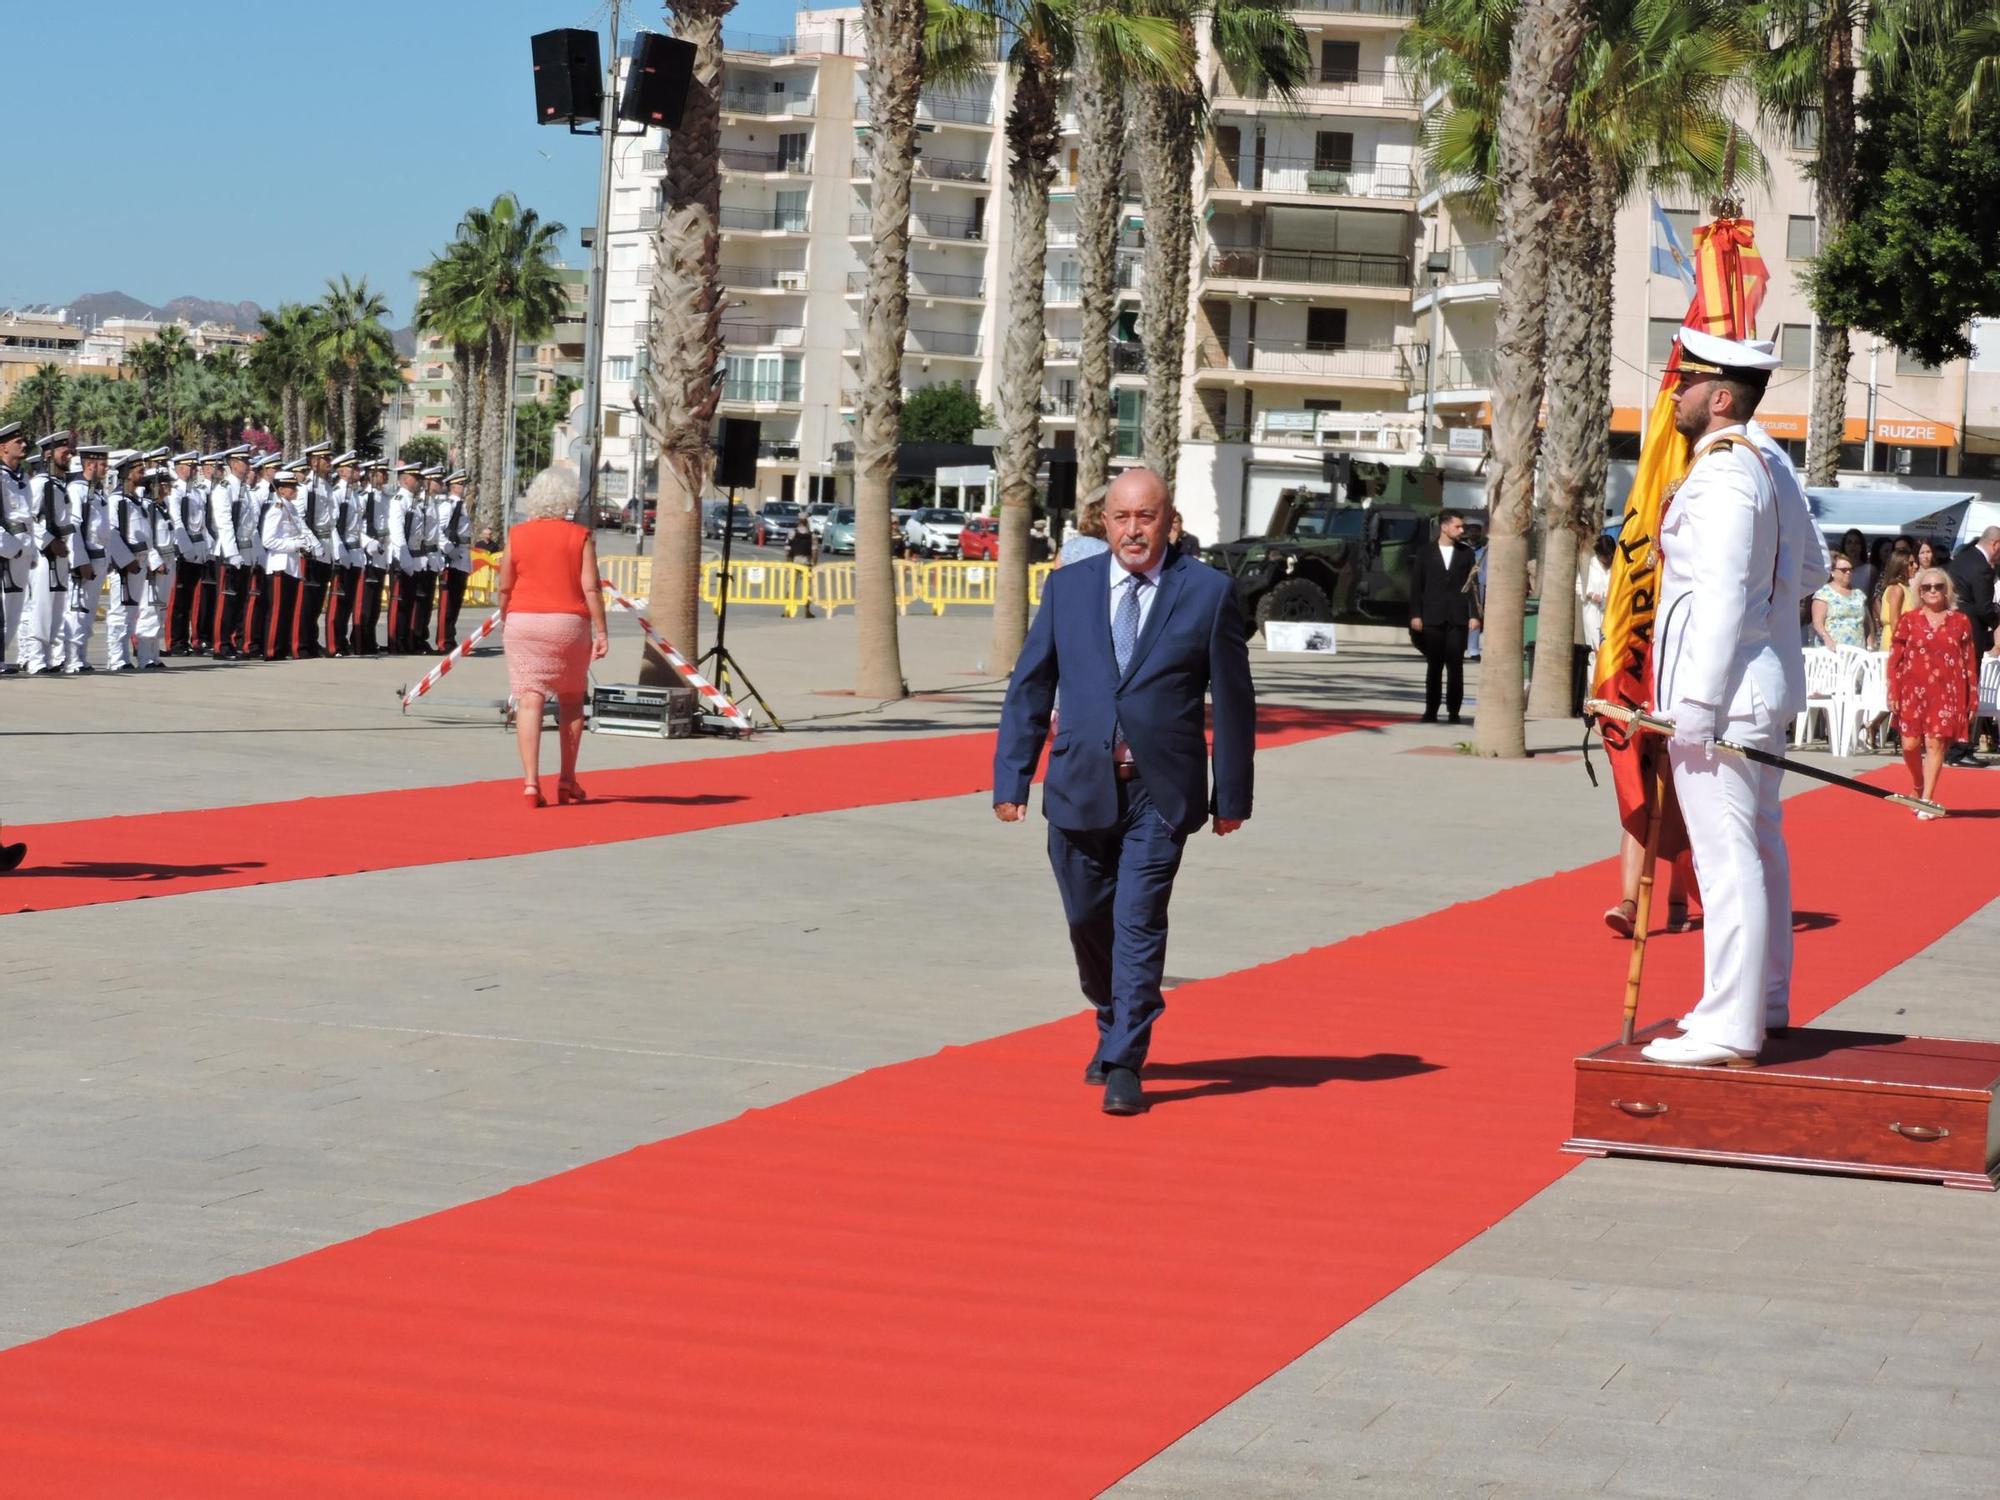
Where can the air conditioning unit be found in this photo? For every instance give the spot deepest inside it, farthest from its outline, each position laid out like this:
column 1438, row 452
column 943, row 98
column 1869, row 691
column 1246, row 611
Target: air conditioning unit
column 791, row 281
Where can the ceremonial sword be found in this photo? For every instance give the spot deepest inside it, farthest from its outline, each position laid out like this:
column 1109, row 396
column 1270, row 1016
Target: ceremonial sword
column 1638, row 718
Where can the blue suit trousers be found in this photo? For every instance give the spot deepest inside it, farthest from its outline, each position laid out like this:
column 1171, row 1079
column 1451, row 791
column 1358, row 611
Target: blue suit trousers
column 1115, row 884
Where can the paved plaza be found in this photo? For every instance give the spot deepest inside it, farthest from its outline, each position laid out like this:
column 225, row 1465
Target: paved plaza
column 214, row 1082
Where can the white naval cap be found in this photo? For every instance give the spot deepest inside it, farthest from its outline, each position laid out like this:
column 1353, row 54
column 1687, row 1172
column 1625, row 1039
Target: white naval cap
column 286, row 476
column 316, row 449
column 1746, row 359
column 121, row 458
column 350, row 456
column 267, row 461
column 189, row 457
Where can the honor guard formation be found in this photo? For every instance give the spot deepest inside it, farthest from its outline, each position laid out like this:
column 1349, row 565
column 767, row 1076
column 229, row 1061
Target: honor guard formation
column 235, row 555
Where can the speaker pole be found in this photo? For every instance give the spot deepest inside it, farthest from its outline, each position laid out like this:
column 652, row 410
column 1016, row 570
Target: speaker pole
column 593, row 329
column 719, row 652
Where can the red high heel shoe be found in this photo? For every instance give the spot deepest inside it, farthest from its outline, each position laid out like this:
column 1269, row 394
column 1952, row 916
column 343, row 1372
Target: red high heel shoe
column 569, row 791
column 532, row 795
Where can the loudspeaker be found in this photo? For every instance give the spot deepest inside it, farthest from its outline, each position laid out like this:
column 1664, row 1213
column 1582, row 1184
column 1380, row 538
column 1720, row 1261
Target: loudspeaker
column 736, row 454
column 656, row 89
column 569, row 76
column 1062, row 484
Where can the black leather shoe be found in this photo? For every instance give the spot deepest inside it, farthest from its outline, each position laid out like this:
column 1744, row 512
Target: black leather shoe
column 1121, row 1092
column 11, row 856
column 1427, row 718
column 1094, row 1074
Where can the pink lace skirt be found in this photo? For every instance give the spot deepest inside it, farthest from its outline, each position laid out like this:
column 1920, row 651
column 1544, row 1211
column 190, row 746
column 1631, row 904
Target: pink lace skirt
column 547, row 654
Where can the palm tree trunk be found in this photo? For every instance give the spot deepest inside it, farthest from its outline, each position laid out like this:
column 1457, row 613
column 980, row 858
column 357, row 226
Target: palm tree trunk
column 685, row 341
column 1034, row 135
column 1166, row 116
column 1100, row 113
column 350, row 402
column 493, row 428
column 469, row 436
column 1834, row 187
column 1576, row 452
column 895, row 37
column 461, row 396
column 1548, row 36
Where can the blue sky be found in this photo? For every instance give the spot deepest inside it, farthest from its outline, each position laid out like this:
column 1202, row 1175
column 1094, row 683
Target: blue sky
column 239, row 151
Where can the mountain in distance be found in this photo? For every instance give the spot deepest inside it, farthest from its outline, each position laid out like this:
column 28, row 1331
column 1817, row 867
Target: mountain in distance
column 94, row 307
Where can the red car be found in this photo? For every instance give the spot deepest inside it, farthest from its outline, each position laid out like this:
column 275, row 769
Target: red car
column 980, row 541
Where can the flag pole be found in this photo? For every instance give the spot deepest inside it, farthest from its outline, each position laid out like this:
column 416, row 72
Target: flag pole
column 1642, row 918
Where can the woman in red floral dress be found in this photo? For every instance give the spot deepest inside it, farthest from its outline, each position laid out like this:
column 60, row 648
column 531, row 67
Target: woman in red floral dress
column 1933, row 680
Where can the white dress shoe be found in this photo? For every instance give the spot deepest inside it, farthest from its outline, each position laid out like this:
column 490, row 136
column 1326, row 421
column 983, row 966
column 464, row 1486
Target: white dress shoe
column 1689, row 1053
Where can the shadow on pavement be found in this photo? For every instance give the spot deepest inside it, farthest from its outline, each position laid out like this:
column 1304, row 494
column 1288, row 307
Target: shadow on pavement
column 1246, row 1075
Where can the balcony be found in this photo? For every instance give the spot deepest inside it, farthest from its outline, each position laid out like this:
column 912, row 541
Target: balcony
column 1309, row 267
column 1062, row 293
column 762, row 392
column 925, row 227
column 1127, row 359
column 1061, row 351
column 842, row 39
column 766, row 220
column 767, row 104
column 925, row 343
column 762, row 278
column 1333, row 89
column 963, row 169
column 928, row 284
column 1312, row 177
column 1389, row 432
column 1304, row 359
column 780, row 335
column 1465, row 371
column 1059, row 408
column 937, row 109
column 1473, row 276
column 764, row 162
column 1393, row 10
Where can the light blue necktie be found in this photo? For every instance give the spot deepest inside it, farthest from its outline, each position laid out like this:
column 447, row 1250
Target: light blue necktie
column 1125, row 622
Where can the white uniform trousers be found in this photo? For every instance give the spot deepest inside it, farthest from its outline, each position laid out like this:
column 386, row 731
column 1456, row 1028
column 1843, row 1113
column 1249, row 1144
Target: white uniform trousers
column 79, row 620
column 12, row 603
column 38, row 645
column 154, row 602
column 121, row 617
column 1736, row 830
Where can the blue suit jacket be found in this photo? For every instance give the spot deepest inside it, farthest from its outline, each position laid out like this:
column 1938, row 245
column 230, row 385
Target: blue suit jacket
column 1192, row 646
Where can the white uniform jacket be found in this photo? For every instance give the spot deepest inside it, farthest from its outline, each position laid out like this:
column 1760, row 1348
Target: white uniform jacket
column 89, row 543
column 408, row 532
column 285, row 538
column 315, row 505
column 1727, row 614
column 375, row 526
column 347, row 503
column 129, row 539
column 53, row 523
column 17, row 528
column 454, row 520
column 187, row 508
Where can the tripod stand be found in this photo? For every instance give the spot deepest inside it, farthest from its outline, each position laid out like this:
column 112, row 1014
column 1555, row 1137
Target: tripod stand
column 719, row 653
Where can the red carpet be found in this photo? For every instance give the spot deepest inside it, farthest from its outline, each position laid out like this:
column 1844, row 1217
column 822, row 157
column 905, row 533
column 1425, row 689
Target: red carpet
column 952, row 1277
column 169, row 854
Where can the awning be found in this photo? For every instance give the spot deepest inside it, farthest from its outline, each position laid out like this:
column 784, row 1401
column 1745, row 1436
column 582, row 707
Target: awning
column 1889, row 512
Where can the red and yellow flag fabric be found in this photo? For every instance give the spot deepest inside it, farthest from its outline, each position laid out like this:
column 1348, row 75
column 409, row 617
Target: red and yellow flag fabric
column 1730, row 281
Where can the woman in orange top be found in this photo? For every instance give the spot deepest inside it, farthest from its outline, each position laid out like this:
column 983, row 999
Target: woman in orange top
column 552, row 623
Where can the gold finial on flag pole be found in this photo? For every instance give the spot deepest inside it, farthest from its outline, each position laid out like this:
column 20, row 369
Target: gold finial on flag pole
column 1725, row 204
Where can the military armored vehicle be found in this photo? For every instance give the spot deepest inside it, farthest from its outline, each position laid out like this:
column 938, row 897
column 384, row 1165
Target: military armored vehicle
column 1341, row 553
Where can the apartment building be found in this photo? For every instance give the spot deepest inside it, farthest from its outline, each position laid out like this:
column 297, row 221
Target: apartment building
column 112, row 342
column 31, row 338
column 428, row 403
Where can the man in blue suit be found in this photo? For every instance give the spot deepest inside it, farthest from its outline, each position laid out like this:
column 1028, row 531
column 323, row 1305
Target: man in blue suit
column 1136, row 638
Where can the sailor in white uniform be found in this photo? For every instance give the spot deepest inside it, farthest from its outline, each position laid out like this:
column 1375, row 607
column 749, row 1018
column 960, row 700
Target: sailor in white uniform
column 189, row 528
column 90, row 558
column 1737, row 547
column 50, row 493
column 128, row 537
column 17, row 538
column 287, row 543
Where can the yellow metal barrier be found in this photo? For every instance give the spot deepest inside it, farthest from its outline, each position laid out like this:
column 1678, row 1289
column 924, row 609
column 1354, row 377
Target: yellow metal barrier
column 833, row 587
column 786, row 585
column 1038, row 574
column 959, row 583
column 631, row 576
column 483, row 587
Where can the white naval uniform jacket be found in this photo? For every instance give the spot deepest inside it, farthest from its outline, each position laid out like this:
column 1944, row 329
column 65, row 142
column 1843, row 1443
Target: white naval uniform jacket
column 130, row 539
column 53, row 523
column 1727, row 614
column 375, row 526
column 89, row 543
column 17, row 528
column 454, row 524
column 347, row 503
column 187, row 511
column 285, row 537
column 315, row 504
column 406, row 531
column 230, row 502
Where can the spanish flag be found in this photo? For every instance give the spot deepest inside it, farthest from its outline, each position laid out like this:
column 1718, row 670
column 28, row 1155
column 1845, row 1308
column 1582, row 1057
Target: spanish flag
column 1730, row 281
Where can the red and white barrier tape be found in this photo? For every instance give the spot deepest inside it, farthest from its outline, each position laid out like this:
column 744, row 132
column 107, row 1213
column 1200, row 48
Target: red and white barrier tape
column 703, row 690
column 436, row 673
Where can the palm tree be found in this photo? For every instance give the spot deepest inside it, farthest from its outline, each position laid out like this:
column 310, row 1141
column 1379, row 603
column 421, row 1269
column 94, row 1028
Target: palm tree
column 1806, row 82
column 895, row 39
column 39, row 398
column 349, row 334
column 496, row 284
column 684, row 345
column 1534, row 110
column 1261, row 46
column 281, row 363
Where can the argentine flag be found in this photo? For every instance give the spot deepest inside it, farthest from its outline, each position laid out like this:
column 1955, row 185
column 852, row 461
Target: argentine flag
column 1668, row 258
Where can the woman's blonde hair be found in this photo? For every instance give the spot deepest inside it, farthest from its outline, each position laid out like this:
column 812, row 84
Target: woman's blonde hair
column 1090, row 518
column 552, row 494
column 1950, row 588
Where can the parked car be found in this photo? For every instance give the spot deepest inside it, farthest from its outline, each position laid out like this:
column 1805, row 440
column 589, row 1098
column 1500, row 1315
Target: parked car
column 609, row 514
column 741, row 521
column 775, row 523
column 980, row 541
column 934, row 531
column 817, row 513
column 837, row 540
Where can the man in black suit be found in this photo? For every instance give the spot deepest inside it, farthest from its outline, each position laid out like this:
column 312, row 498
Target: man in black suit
column 1972, row 574
column 1442, row 613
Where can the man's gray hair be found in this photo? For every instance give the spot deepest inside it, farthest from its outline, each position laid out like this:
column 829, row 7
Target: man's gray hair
column 1989, row 536
column 552, row 494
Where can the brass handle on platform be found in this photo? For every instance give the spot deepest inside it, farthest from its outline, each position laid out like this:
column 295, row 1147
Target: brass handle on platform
column 1920, row 1132
column 1634, row 1107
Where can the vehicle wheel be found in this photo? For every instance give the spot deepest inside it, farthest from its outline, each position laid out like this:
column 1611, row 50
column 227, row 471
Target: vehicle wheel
column 1294, row 599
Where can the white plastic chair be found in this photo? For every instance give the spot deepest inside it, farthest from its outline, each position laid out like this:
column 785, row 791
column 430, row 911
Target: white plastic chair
column 1822, row 688
column 1864, row 695
column 1989, row 688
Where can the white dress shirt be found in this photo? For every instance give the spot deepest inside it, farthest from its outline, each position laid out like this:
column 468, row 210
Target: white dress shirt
column 1119, row 573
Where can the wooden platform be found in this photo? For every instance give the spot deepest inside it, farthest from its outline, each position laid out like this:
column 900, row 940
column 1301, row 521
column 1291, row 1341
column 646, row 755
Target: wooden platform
column 1818, row 1101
